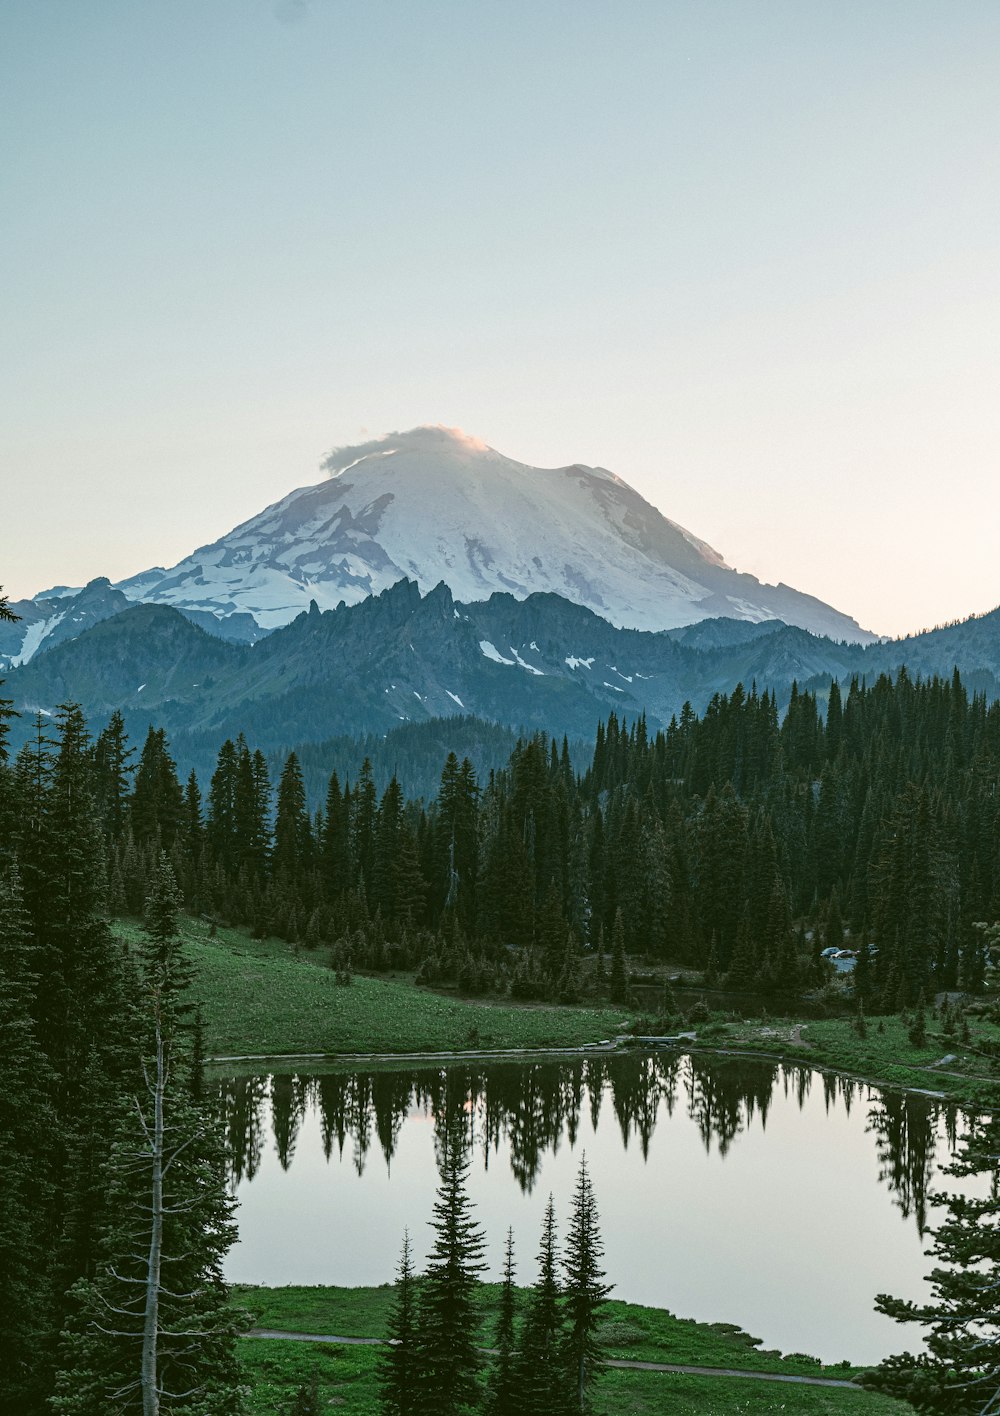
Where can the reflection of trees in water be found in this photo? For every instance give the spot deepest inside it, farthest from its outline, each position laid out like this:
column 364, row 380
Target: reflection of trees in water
column 724, row 1098
column 905, row 1127
column 243, row 1105
column 533, row 1107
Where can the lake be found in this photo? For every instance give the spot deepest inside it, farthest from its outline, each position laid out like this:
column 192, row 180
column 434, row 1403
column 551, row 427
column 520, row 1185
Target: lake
column 730, row 1189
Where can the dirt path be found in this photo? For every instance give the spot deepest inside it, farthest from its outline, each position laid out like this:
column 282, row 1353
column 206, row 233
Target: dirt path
column 609, row 1362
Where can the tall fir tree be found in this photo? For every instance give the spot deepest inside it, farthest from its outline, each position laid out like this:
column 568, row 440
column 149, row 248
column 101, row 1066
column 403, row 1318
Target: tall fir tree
column 543, row 1379
column 152, row 1331
column 448, row 1355
column 399, row 1372
column 584, row 1289
column 503, row 1396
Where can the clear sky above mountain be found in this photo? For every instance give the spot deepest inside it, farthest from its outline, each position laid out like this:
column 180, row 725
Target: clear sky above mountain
column 743, row 254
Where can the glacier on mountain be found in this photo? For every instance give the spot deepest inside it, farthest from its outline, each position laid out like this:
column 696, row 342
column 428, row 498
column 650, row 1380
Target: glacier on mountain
column 435, row 504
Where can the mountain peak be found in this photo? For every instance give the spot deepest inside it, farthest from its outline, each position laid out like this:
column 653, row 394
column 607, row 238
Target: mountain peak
column 437, row 506
column 433, row 439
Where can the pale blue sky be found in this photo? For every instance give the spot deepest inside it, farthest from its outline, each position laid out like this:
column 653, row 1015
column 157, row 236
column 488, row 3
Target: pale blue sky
column 743, row 254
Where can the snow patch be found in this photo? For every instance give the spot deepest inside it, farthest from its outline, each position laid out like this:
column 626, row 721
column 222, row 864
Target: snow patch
column 455, row 697
column 490, row 651
column 524, row 665
column 36, row 633
column 614, row 687
column 575, row 663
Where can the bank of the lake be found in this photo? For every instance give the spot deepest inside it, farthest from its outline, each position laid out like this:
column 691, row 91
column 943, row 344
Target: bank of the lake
column 629, row 1332
column 266, row 998
column 943, row 1065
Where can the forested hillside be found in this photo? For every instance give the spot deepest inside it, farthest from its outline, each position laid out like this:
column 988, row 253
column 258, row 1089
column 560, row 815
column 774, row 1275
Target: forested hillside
column 735, row 843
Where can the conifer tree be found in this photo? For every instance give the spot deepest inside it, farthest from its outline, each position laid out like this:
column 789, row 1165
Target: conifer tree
column 113, row 770
column 543, row 1379
column 503, row 1393
column 618, row 982
column 157, row 798
column 335, row 841
column 221, row 825
column 448, row 1357
column 583, row 1288
column 292, row 827
column 6, row 710
column 27, row 1150
column 959, row 1373
column 399, row 1375
column 152, row 1331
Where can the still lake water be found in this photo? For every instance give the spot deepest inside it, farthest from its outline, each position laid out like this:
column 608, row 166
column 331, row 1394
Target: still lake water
column 729, row 1190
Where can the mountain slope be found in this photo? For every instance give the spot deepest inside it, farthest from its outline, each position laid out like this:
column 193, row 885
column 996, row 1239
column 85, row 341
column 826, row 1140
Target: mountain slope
column 396, row 658
column 433, row 505
column 63, row 614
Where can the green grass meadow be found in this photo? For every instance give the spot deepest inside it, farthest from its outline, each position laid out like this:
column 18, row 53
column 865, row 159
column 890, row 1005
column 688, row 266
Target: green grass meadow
column 262, row 997
column 348, row 1375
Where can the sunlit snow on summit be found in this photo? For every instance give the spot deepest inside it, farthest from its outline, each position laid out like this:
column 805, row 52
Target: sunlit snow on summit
column 429, row 437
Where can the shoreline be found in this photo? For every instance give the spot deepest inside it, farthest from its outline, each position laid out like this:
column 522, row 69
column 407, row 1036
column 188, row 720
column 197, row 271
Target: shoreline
column 599, row 1049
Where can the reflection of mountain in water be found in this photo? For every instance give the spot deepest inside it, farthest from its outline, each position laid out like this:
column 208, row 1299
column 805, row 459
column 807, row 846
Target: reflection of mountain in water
column 533, row 1106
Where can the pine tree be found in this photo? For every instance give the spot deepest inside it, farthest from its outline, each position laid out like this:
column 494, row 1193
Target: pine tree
column 335, row 841
column 959, row 1374
column 542, row 1375
column 220, row 828
column 164, row 959
column 503, row 1393
column 113, row 770
column 85, row 1011
column 157, row 798
column 448, row 1357
column 152, row 1331
column 27, row 1150
column 292, row 827
column 6, row 714
column 583, row 1287
column 399, row 1383
column 618, row 983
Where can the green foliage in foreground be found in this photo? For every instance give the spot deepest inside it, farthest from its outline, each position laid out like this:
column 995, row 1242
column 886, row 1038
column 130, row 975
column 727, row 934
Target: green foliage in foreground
column 627, row 1330
column 261, row 997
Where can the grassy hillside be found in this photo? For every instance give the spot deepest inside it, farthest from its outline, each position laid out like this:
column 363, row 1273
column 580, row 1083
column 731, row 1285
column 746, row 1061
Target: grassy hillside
column 263, row 997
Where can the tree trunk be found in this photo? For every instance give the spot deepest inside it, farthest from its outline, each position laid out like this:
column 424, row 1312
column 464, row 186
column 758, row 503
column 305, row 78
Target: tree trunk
column 150, row 1328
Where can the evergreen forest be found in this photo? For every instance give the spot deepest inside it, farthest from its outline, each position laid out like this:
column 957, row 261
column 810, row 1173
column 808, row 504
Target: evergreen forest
column 734, row 846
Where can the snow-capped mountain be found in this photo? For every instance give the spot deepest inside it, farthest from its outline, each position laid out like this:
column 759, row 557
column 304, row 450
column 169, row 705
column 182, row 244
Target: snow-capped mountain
column 436, row 505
